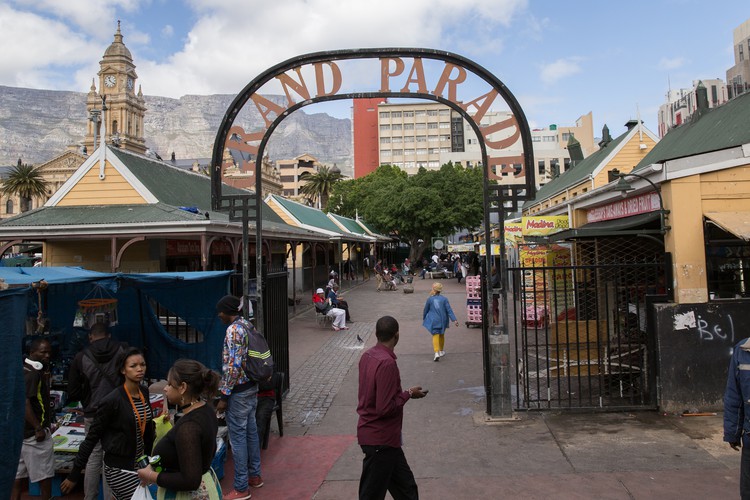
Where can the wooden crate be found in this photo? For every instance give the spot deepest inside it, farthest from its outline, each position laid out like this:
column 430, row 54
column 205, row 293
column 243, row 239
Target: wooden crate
column 577, row 347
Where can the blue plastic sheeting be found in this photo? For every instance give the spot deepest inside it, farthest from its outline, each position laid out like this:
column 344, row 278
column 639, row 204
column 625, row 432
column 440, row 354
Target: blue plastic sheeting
column 11, row 373
column 27, row 275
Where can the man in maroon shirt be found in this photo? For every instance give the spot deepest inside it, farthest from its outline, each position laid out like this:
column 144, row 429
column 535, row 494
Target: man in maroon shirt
column 381, row 410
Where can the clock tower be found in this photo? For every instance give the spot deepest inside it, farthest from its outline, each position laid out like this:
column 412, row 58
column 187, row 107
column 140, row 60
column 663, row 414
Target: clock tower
column 123, row 108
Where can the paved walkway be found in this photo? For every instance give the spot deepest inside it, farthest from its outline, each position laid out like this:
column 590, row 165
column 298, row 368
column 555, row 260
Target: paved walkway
column 453, row 450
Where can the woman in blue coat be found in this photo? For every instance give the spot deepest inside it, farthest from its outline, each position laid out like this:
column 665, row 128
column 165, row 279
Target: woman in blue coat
column 436, row 316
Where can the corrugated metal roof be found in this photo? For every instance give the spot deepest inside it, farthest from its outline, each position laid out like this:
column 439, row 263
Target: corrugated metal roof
column 578, row 173
column 105, row 214
column 307, row 215
column 349, row 224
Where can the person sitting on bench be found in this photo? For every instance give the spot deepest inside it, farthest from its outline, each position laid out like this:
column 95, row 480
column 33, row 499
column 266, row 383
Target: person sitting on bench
column 338, row 302
column 324, row 306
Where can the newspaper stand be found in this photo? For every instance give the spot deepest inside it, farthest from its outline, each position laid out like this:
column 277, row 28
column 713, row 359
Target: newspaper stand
column 473, row 301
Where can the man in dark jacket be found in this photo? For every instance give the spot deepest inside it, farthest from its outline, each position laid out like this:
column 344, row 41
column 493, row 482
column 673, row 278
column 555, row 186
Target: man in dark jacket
column 736, row 396
column 92, row 376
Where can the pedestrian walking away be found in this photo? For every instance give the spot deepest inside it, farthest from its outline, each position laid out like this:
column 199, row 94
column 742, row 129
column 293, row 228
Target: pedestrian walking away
column 380, row 406
column 378, row 270
column 239, row 398
column 736, row 422
column 436, row 316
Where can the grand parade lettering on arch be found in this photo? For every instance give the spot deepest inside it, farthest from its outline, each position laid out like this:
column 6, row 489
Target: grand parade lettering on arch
column 320, row 77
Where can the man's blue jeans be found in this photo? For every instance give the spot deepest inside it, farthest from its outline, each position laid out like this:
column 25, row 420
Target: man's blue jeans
column 243, row 436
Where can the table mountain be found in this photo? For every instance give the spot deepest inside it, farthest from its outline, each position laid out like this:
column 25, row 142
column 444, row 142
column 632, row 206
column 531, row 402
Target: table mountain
column 37, row 125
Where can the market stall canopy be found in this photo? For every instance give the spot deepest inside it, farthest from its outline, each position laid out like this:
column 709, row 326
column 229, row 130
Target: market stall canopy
column 52, row 275
column 633, row 225
column 736, row 223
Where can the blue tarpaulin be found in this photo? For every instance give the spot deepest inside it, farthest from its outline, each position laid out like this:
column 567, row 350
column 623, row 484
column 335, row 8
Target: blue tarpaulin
column 191, row 297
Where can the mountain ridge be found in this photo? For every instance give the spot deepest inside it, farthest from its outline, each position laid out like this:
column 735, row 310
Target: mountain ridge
column 38, row 125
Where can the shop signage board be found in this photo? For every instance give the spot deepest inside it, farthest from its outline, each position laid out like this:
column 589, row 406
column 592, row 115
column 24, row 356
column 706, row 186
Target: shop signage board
column 543, row 225
column 635, row 205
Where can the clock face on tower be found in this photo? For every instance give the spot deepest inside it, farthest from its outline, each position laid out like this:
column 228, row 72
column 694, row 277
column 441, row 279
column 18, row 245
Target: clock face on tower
column 110, row 80
column 130, row 83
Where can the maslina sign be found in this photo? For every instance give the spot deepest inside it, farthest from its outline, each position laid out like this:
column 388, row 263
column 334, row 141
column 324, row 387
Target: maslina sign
column 467, row 88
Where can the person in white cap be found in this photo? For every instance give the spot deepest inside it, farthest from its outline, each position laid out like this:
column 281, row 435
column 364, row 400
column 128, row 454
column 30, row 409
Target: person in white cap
column 324, row 306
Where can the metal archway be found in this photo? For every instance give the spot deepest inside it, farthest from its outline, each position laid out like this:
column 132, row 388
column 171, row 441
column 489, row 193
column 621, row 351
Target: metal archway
column 501, row 197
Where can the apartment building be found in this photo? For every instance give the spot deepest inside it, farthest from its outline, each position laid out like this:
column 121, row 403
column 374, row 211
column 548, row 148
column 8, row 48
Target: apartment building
column 738, row 76
column 291, row 170
column 682, row 103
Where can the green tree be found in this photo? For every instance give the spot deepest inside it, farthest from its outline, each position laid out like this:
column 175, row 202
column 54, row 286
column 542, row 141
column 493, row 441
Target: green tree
column 428, row 204
column 318, row 186
column 26, row 182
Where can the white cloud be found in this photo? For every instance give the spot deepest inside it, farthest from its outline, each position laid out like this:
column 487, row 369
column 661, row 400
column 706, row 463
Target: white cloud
column 233, row 41
column 672, row 63
column 562, row 68
column 167, row 31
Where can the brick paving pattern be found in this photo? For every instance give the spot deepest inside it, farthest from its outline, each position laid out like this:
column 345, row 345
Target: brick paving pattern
column 318, row 380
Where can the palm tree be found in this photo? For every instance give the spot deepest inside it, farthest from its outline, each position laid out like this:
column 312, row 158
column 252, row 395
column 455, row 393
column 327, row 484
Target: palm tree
column 318, row 186
column 26, row 182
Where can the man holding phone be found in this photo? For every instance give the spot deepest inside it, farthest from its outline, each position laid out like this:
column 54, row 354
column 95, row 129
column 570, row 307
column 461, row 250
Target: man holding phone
column 381, row 409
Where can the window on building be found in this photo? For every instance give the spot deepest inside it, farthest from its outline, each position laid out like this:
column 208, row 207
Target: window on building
column 408, row 114
column 384, row 128
column 432, row 112
column 396, row 114
column 540, row 167
column 398, row 152
column 420, row 113
column 566, row 136
column 433, row 151
column 421, row 151
column 398, row 164
column 421, row 138
column 444, row 112
column 385, row 152
column 536, row 138
column 384, row 114
column 445, row 125
column 549, row 138
column 409, row 164
column 445, row 150
column 409, row 139
column 421, row 164
column 742, row 52
column 727, row 263
column 566, row 164
column 408, row 152
column 9, row 207
column 396, row 126
column 288, row 178
column 433, row 138
column 385, row 140
column 408, row 126
column 445, row 137
column 421, row 126
column 432, row 126
column 433, row 164
column 397, row 140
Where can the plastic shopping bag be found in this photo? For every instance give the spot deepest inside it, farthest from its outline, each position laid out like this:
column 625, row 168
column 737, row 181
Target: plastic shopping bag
column 142, row 493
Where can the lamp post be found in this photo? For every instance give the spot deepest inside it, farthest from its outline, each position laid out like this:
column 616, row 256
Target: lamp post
column 624, row 187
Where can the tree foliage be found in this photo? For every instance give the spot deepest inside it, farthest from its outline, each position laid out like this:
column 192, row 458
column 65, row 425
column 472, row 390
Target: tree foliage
column 430, row 203
column 26, row 182
column 318, row 186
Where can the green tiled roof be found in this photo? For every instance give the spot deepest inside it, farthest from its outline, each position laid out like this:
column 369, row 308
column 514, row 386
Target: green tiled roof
column 350, row 224
column 308, row 215
column 108, row 214
column 372, row 231
column 716, row 129
column 178, row 187
column 578, row 173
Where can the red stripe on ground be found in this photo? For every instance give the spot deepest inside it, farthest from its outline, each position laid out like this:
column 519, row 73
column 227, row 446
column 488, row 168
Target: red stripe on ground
column 294, row 467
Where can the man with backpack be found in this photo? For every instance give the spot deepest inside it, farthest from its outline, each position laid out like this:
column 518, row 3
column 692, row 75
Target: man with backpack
column 242, row 357
column 93, row 375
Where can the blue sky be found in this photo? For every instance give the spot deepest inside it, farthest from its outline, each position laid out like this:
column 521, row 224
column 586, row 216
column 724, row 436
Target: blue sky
column 560, row 59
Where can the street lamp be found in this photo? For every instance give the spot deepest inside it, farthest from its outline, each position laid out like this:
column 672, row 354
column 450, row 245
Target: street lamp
column 624, row 187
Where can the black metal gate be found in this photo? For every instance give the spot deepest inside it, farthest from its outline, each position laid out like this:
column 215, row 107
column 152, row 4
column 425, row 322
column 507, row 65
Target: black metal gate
column 275, row 314
column 581, row 335
column 276, row 319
